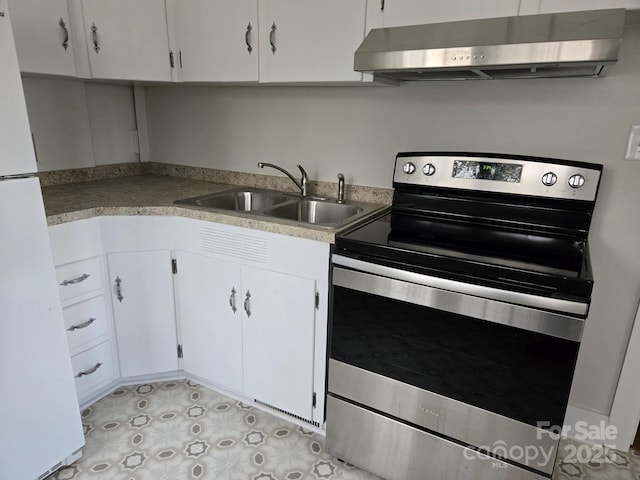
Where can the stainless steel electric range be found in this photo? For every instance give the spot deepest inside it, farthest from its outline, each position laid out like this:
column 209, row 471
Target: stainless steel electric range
column 457, row 318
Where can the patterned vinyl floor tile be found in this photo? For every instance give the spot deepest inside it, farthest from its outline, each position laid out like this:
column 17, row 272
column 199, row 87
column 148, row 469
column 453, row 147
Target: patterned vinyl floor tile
column 181, row 430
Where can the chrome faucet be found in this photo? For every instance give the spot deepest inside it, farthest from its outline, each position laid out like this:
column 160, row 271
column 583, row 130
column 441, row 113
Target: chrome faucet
column 302, row 184
column 340, row 188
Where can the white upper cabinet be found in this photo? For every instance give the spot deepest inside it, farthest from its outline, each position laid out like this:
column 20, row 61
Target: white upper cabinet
column 393, row 13
column 309, row 40
column 127, row 40
column 216, row 40
column 16, row 148
column 42, row 30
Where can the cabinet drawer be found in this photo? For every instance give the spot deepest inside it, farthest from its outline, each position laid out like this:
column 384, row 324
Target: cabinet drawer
column 93, row 367
column 79, row 277
column 85, row 322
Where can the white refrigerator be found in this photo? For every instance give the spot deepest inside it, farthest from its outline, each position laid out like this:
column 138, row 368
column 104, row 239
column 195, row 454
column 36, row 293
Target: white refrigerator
column 40, row 425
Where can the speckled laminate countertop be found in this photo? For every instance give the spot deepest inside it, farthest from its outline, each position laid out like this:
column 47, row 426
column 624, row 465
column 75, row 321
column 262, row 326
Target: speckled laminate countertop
column 154, row 195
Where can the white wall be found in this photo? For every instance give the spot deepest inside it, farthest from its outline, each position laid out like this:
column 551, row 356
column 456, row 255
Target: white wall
column 358, row 131
column 77, row 124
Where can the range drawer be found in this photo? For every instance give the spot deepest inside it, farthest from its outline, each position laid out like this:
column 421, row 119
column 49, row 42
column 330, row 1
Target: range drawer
column 85, row 322
column 92, row 367
column 78, row 278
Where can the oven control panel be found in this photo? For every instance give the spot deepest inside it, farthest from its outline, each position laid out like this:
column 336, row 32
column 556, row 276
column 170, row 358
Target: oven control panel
column 513, row 175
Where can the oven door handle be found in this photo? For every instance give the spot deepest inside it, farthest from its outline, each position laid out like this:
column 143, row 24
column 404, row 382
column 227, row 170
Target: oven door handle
column 510, row 308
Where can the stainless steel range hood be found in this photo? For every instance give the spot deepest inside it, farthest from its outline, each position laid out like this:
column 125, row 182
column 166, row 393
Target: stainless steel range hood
column 573, row 44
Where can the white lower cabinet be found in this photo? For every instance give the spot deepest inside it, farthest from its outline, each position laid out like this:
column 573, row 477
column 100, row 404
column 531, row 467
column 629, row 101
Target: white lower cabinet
column 210, row 319
column 93, row 368
column 278, row 339
column 251, row 308
column 77, row 252
column 143, row 310
column 248, row 330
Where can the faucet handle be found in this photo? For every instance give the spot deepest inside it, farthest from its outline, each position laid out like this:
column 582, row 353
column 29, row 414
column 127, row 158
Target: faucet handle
column 340, row 188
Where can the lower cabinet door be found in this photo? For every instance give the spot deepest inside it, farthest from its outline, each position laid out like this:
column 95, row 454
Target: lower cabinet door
column 278, row 339
column 144, row 312
column 210, row 319
column 92, row 368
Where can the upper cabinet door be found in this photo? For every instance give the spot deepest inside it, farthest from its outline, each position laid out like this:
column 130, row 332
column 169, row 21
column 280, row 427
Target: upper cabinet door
column 16, row 148
column 217, row 40
column 42, row 31
column 127, row 40
column 310, row 41
column 393, row 13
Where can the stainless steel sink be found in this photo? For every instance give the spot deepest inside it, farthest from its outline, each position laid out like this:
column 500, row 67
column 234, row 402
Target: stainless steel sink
column 247, row 200
column 288, row 207
column 314, row 211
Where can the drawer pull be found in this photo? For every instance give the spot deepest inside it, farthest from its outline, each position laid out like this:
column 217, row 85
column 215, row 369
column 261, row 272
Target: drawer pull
column 81, row 278
column 81, row 325
column 90, row 371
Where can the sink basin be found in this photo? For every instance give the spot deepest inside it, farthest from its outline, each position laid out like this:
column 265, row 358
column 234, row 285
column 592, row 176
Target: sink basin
column 289, row 207
column 239, row 201
column 313, row 211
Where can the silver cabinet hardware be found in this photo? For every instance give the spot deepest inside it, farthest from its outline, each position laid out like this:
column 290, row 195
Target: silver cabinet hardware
column 247, row 303
column 65, row 42
column 232, row 300
column 247, row 38
column 93, row 369
column 340, row 188
column 272, row 38
column 119, row 290
column 94, row 36
column 81, row 325
column 73, row 281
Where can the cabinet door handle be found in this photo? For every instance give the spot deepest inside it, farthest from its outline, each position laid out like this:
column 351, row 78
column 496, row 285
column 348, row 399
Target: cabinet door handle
column 247, row 303
column 90, row 371
column 81, row 325
column 232, row 300
column 119, row 289
column 247, row 38
column 94, row 36
column 65, row 42
column 73, row 281
column 382, row 5
column 272, row 38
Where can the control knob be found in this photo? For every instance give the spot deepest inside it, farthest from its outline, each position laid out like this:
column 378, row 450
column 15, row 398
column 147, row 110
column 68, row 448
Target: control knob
column 549, row 179
column 576, row 181
column 429, row 169
column 409, row 168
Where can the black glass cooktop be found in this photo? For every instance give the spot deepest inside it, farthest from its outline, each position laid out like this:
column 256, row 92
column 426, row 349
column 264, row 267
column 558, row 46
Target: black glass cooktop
column 549, row 265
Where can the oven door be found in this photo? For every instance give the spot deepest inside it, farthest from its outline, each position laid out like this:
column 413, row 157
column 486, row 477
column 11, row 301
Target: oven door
column 474, row 371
